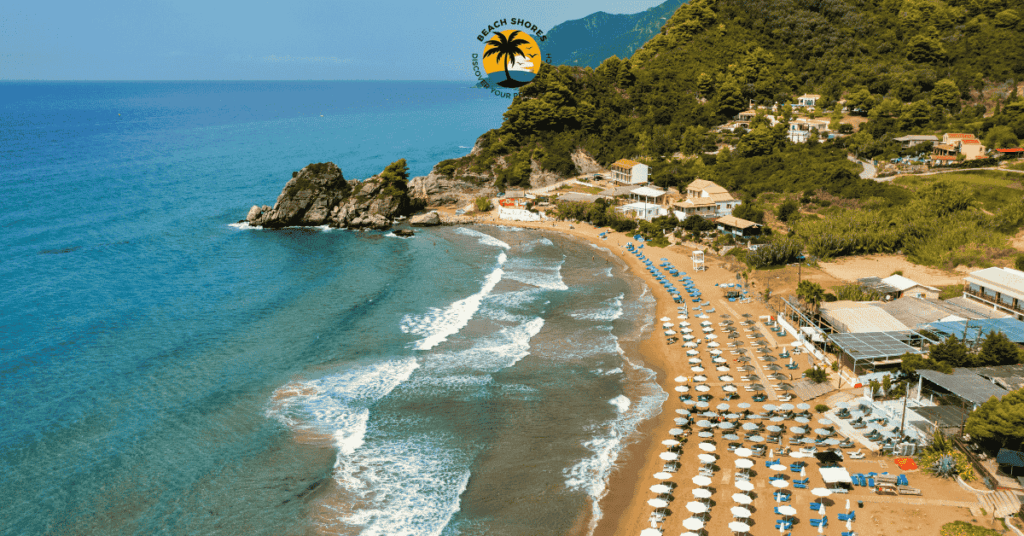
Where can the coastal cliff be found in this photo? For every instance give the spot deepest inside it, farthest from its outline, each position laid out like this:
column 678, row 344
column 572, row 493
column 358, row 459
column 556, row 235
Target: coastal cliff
column 318, row 194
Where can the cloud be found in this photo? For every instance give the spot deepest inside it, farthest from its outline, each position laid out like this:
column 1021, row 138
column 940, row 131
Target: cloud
column 306, row 59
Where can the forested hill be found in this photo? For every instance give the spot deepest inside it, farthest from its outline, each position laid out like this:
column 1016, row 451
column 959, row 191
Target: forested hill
column 910, row 65
column 588, row 41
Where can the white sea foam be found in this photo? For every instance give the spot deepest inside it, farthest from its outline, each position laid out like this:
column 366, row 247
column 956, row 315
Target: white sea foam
column 539, row 273
column 393, row 235
column 483, row 237
column 500, row 350
column 339, row 404
column 406, row 487
column 620, row 402
column 612, row 311
column 244, row 225
column 599, row 248
column 439, row 324
column 616, row 370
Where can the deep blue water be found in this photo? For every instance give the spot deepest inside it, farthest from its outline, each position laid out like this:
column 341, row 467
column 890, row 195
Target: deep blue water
column 165, row 372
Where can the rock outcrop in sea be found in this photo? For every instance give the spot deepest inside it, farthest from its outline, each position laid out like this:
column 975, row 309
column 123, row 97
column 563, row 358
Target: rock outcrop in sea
column 318, row 195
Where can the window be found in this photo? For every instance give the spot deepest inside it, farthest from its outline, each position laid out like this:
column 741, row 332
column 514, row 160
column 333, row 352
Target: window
column 1006, row 300
column 989, row 292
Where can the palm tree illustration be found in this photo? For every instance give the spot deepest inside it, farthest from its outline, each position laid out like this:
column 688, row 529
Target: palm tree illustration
column 506, row 50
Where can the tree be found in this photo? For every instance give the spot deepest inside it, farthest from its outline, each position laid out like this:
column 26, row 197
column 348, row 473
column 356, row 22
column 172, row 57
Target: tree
column 505, row 51
column 730, row 98
column 787, row 209
column 1001, row 137
column 913, row 363
column 395, row 178
column 1018, row 262
column 874, row 386
column 886, row 384
column 951, row 350
column 816, row 375
column 997, row 349
column 811, row 293
column 705, row 85
column 749, row 212
column 999, row 422
column 924, row 49
column 757, row 142
column 483, row 204
column 946, row 94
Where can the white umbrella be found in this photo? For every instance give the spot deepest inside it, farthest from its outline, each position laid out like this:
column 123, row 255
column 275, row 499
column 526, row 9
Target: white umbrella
column 670, row 442
column 663, row 476
column 686, row 330
column 669, row 332
column 787, row 510
column 702, row 493
column 697, row 507
column 711, row 336
column 706, row 458
column 693, row 353
column 744, row 452
column 744, row 485
column 681, row 379
column 821, row 509
column 683, row 317
column 742, row 498
column 778, row 467
column 665, row 319
column 669, row 456
column 667, row 324
column 682, row 389
column 650, row 532
column 803, row 472
column 736, row 526
column 820, row 492
column 702, row 480
column 661, row 488
column 658, row 503
column 713, row 344
column 677, row 431
column 689, row 533
column 690, row 344
column 739, row 511
column 771, row 453
column 849, row 525
column 703, row 388
column 716, row 352
column 729, row 388
column 707, row 447
column 693, row 523
column 821, row 529
column 780, row 483
column 847, row 504
column 744, row 463
column 796, row 454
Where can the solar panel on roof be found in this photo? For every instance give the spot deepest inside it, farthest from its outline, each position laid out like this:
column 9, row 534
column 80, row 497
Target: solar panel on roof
column 979, row 329
column 875, row 345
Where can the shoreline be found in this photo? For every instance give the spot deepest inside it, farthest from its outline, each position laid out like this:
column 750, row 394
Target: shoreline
column 624, row 507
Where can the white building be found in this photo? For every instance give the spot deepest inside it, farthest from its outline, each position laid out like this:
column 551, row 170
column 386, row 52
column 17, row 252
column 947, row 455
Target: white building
column 808, row 99
column 911, row 288
column 630, row 172
column 706, row 199
column 648, row 204
column 999, row 288
column 800, row 129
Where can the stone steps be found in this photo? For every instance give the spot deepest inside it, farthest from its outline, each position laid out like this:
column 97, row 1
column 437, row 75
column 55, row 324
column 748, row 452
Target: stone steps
column 1001, row 503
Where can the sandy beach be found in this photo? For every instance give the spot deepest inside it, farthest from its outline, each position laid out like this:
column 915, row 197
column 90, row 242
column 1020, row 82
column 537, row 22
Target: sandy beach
column 625, row 510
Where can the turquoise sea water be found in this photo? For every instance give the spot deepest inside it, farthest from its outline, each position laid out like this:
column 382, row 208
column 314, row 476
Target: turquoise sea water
column 166, row 372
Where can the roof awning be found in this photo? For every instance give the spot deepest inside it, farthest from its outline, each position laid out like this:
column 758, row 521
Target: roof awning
column 832, row 475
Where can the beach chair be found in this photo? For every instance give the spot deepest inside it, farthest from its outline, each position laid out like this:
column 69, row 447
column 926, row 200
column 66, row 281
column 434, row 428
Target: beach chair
column 783, row 524
column 906, row 490
column 804, row 481
column 848, row 516
column 823, row 522
column 902, row 481
column 871, row 482
column 856, row 455
column 781, row 496
column 850, row 533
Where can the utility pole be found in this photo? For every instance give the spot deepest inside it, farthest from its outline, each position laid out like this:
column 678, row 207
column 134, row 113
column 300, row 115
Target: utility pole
column 906, row 394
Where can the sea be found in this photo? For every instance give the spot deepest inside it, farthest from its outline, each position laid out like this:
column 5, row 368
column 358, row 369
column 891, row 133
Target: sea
column 167, row 370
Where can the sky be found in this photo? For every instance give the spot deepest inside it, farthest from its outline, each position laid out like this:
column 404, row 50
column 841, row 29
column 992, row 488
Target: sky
column 259, row 40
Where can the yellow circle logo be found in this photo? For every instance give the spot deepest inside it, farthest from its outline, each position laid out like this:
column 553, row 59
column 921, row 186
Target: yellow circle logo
column 511, row 59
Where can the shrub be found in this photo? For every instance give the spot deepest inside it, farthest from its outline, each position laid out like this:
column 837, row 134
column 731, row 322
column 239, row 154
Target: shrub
column 780, row 250
column 963, row 528
column 787, row 209
column 483, row 204
column 816, row 375
column 821, row 408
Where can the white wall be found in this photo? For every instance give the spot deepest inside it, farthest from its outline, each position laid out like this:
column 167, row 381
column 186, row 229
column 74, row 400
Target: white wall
column 639, row 174
column 517, row 214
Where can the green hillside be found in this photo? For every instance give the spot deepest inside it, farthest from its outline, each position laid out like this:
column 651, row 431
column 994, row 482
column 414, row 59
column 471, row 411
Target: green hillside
column 588, row 41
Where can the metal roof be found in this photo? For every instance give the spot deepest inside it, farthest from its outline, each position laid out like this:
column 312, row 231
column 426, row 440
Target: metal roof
column 862, row 318
column 947, row 416
column 881, row 344
column 1010, row 457
column 965, row 384
column 918, row 312
column 808, row 390
column 877, row 283
column 647, row 191
column 978, row 329
column 1004, row 280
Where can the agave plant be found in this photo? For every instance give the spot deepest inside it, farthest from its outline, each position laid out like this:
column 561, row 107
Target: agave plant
column 945, row 466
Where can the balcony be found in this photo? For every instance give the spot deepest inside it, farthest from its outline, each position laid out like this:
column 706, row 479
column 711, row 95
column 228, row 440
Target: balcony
column 1018, row 307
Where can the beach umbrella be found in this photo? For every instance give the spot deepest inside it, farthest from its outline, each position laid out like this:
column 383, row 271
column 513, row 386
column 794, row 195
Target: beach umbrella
column 705, row 323
column 744, row 463
column 725, row 378
column 692, row 352
column 825, row 422
column 677, row 431
column 665, row 319
column 669, row 456
column 787, row 510
column 686, row 330
column 772, row 367
column 757, row 387
column 780, row 483
column 722, row 407
column 716, row 352
column 703, row 388
column 696, row 507
column 821, row 529
column 684, row 323
column 663, row 476
column 702, row 405
column 777, row 418
column 742, row 498
column 700, row 378
column 756, row 439
column 773, row 428
column 731, row 437
column 847, row 504
column 719, row 361
column 832, row 442
column 730, row 388
column 743, row 452
column 749, row 426
column 802, row 420
column 706, row 458
column 650, row 532
column 708, row 330
column 797, row 454
column 771, row 453
column 690, row 402
column 658, row 503
column 770, row 359
column 726, row 425
column 703, row 316
column 803, row 472
column 739, row 511
column 743, row 405
column 769, row 407
column 705, row 434
column 797, row 430
column 690, row 344
column 707, row 447
column 702, row 493
column 745, row 485
column 849, row 524
column 669, row 332
column 661, row 488
column 821, row 431
column 713, row 344
column 701, row 480
column 808, row 441
column 736, row 526
column 694, row 360
column 681, row 379
column 693, row 523
column 785, row 387
column 667, row 324
column 704, row 423
column 786, row 407
column 682, row 389
column 820, row 492
column 711, row 337
column 683, row 411
column 778, row 467
column 670, row 442
column 682, row 421
column 743, row 359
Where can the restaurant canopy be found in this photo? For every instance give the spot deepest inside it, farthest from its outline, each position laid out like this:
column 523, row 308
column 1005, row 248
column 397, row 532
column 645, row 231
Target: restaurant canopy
column 834, row 475
column 829, row 456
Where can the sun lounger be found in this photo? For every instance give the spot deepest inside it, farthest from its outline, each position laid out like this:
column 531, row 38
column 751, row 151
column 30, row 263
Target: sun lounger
column 906, row 490
column 850, row 533
column 823, row 522
column 848, row 516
